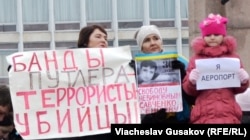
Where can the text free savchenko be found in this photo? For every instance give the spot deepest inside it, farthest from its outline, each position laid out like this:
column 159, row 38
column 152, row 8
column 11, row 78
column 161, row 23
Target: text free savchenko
column 151, row 131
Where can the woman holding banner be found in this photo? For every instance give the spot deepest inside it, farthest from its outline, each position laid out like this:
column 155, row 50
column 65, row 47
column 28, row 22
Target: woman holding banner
column 93, row 36
column 150, row 41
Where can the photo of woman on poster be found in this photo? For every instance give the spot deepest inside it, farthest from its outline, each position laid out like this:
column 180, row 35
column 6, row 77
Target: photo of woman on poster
column 147, row 72
column 151, row 71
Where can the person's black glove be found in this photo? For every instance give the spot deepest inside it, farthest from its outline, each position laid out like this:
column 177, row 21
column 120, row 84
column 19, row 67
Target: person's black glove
column 132, row 64
column 157, row 117
column 176, row 64
column 9, row 67
column 223, row 2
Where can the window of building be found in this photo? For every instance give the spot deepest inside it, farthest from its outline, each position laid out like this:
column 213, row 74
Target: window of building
column 65, row 45
column 7, row 28
column 35, row 27
column 162, row 12
column 8, row 16
column 99, row 11
column 8, row 12
column 8, row 46
column 184, row 13
column 35, row 15
column 35, row 46
column 184, row 9
column 130, row 13
column 4, row 65
column 67, row 14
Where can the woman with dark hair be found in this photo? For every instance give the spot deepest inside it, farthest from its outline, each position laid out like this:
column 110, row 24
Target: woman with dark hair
column 93, row 36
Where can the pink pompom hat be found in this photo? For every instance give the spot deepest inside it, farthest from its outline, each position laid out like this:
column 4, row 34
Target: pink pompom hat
column 213, row 24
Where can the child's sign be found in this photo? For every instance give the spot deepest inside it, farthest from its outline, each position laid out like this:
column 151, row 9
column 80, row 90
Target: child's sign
column 74, row 92
column 218, row 73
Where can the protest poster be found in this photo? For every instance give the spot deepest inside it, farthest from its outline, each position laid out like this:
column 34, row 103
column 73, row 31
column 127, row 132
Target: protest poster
column 218, row 73
column 74, row 92
column 159, row 86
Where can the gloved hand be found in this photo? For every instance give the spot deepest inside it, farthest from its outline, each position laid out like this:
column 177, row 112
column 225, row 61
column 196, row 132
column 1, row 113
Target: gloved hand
column 243, row 76
column 132, row 64
column 9, row 67
column 176, row 64
column 157, row 117
column 193, row 76
column 223, row 2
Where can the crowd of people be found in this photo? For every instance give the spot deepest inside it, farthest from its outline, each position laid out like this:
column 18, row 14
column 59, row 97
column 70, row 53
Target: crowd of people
column 199, row 106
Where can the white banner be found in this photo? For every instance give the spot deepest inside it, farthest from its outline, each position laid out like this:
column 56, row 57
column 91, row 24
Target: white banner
column 74, row 92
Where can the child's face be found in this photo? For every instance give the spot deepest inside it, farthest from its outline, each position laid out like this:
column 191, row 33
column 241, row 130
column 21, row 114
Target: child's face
column 213, row 40
column 147, row 73
column 152, row 44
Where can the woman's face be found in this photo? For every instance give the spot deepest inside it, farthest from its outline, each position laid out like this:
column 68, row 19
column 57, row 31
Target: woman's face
column 152, row 44
column 146, row 73
column 98, row 39
column 213, row 40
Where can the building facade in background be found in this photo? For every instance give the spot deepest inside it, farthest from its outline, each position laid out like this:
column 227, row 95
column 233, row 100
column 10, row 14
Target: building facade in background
column 29, row 25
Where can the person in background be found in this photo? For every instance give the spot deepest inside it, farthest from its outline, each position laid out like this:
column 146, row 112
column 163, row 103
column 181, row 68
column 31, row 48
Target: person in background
column 243, row 101
column 7, row 127
column 214, row 105
column 149, row 39
column 5, row 102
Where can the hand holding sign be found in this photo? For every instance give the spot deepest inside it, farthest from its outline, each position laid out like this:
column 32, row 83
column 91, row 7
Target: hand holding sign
column 194, row 75
column 243, row 76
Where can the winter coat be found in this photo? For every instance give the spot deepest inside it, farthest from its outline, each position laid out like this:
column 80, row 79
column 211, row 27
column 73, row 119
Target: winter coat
column 214, row 105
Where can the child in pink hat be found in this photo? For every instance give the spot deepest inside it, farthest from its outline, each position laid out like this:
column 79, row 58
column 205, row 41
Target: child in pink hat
column 214, row 105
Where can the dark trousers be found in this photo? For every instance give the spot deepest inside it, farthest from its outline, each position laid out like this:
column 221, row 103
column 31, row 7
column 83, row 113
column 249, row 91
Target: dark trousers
column 245, row 117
